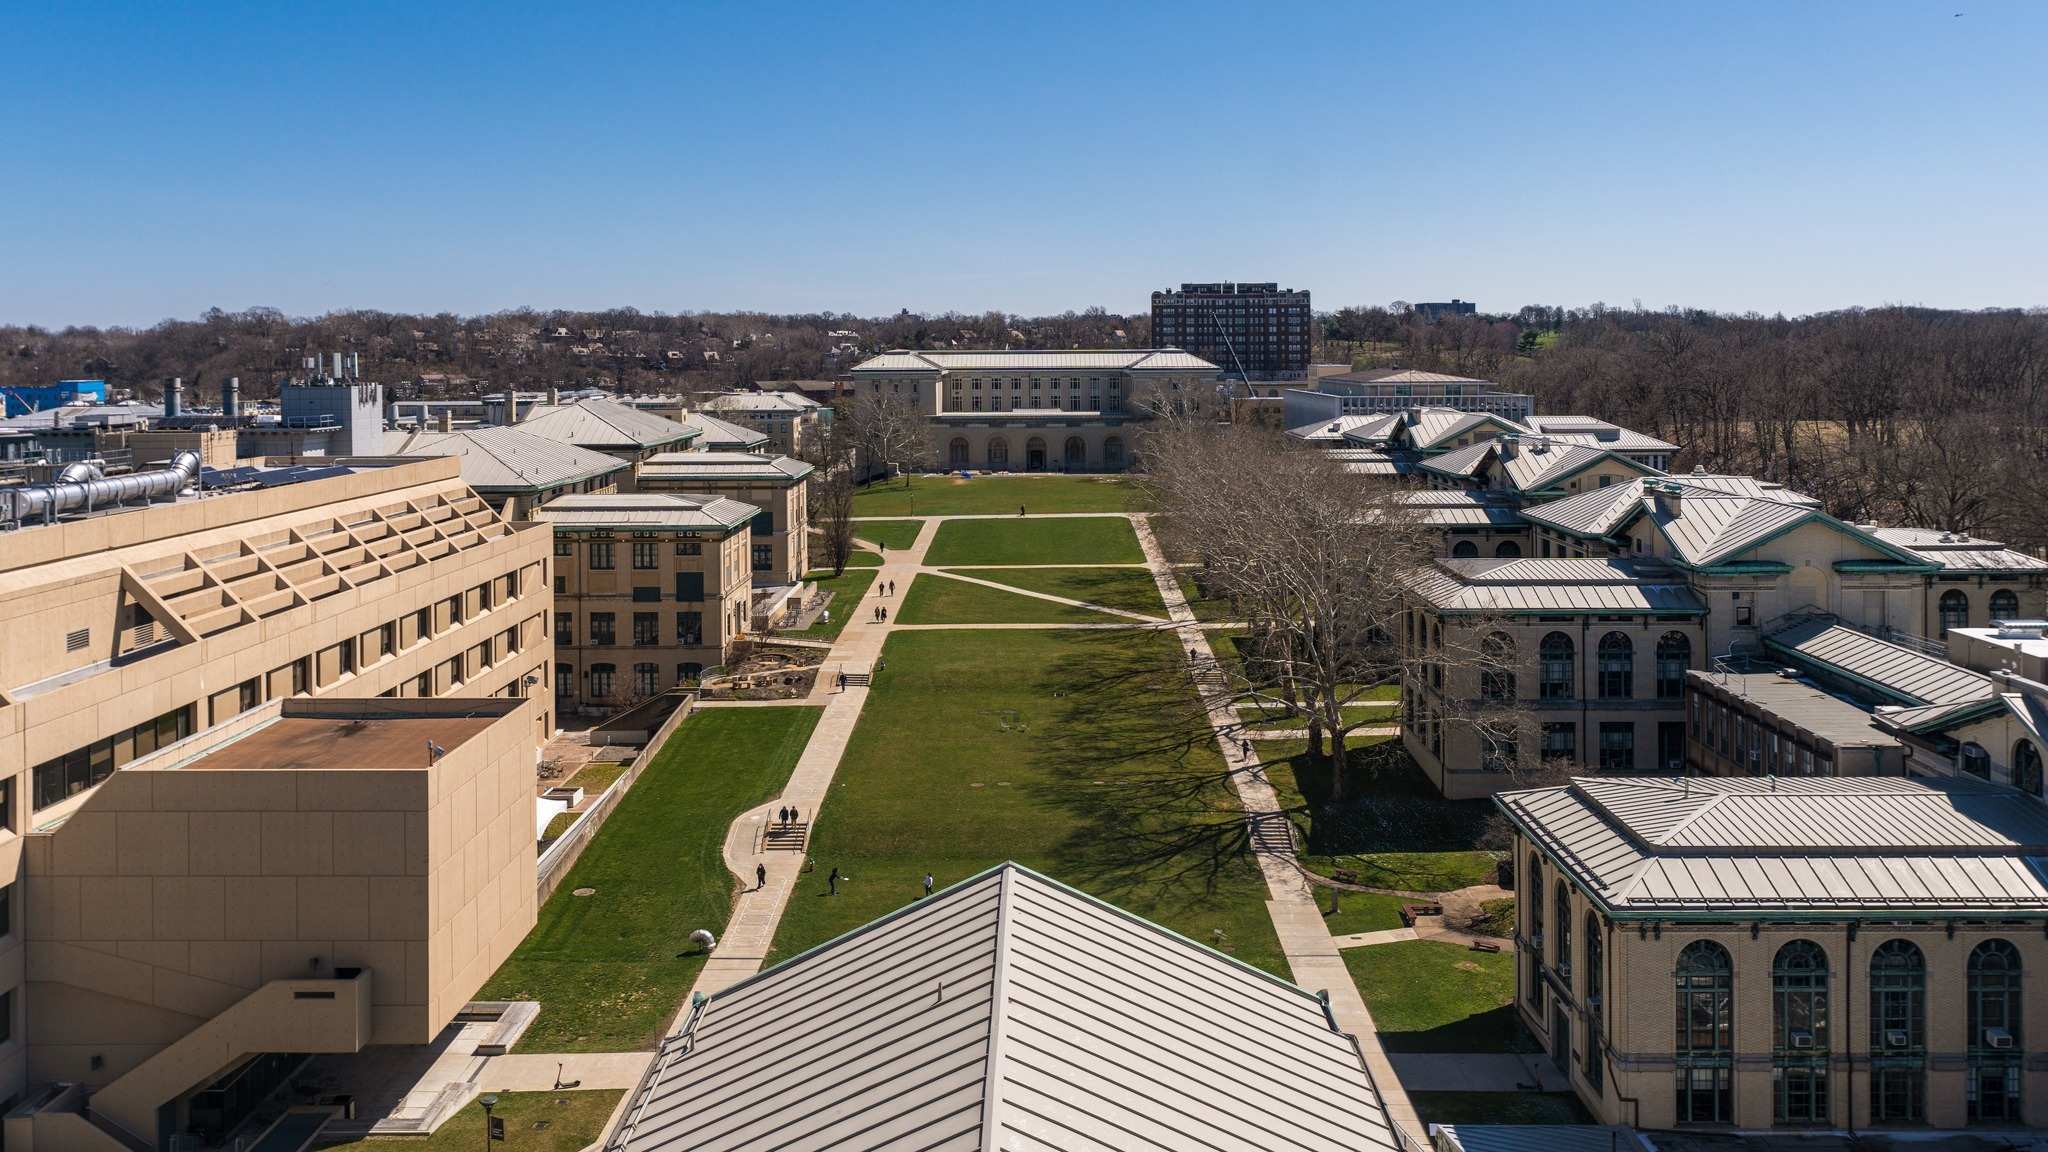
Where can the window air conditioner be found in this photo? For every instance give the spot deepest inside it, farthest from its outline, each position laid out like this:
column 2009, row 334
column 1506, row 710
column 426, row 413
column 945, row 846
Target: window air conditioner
column 1998, row 1038
column 1895, row 1037
column 1801, row 1038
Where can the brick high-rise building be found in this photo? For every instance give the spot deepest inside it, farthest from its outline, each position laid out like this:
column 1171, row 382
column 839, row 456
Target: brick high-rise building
column 1254, row 331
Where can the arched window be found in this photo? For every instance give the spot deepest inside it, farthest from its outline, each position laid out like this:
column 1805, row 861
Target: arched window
column 1596, row 1006
column 1532, row 900
column 1464, row 548
column 1705, row 984
column 1799, row 1025
column 1558, row 672
column 1076, row 454
column 1507, row 548
column 1898, row 1033
column 1674, row 655
column 1497, row 667
column 2005, row 604
column 1994, row 1038
column 1113, row 453
column 2026, row 767
column 956, row 453
column 998, row 452
column 1617, row 667
column 1562, row 914
column 1955, row 611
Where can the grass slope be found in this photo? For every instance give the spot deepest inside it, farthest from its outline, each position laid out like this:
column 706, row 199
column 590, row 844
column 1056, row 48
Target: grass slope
column 1131, row 589
column 1053, row 749
column 1432, row 996
column 534, row 1122
column 937, row 600
column 896, row 535
column 952, row 496
column 610, row 969
column 1082, row 540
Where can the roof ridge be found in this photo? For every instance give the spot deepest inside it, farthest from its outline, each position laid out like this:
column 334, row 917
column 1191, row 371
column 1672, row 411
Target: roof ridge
column 1670, row 834
column 998, row 1013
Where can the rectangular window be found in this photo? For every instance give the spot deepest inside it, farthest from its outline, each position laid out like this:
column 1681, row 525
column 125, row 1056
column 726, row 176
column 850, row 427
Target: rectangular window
column 565, row 628
column 647, row 595
column 764, row 557
column 1618, row 747
column 565, row 548
column 646, row 628
column 644, row 555
column 689, row 586
column 601, row 555
column 601, row 633
column 689, row 628
column 689, row 548
column 1561, row 741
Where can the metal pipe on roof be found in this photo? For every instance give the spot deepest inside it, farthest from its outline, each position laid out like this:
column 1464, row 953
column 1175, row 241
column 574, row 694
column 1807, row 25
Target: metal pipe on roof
column 174, row 397
column 73, row 490
column 231, row 397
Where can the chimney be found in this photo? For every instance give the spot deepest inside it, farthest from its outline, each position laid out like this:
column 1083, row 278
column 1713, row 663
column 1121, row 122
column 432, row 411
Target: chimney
column 231, row 397
column 1410, row 417
column 447, row 420
column 337, row 366
column 174, row 397
column 1667, row 496
column 1510, row 447
column 554, row 396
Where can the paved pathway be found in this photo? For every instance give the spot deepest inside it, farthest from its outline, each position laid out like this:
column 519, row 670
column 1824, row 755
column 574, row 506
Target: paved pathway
column 1366, row 939
column 1311, row 954
column 538, row 1072
column 1477, row 1072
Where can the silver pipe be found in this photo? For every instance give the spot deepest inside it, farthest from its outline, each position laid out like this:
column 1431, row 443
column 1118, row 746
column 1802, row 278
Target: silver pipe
column 72, row 491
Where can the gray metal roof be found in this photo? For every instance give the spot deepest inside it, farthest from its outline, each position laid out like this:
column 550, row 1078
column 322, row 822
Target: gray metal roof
column 1597, row 433
column 1604, row 511
column 723, row 466
column 1914, row 677
column 1367, row 426
column 1533, row 465
column 605, row 423
column 1817, row 844
column 645, row 510
column 1554, row 586
column 1959, row 552
column 500, row 459
column 1536, row 1138
column 760, row 402
column 64, row 416
column 1012, row 1012
column 719, row 432
column 1038, row 360
column 1801, row 704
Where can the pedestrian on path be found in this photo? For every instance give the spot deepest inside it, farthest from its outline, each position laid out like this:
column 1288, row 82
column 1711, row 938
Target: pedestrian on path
column 842, row 681
column 793, row 817
column 892, row 587
column 1244, row 749
column 760, row 877
column 1020, row 509
column 927, row 883
column 832, row 881
column 784, row 813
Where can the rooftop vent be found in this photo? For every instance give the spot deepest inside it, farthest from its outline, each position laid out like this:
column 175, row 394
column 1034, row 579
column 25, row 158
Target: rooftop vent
column 2020, row 629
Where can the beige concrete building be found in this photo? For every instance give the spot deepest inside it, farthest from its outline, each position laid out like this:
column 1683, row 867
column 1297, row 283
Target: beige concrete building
column 1786, row 953
column 788, row 419
column 651, row 589
column 139, row 637
column 780, row 550
column 1033, row 411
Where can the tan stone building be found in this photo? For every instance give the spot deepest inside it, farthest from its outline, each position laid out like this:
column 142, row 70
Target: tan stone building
column 651, row 589
column 780, row 551
column 788, row 419
column 140, row 638
column 1036, row 410
column 514, row 469
column 1786, row 953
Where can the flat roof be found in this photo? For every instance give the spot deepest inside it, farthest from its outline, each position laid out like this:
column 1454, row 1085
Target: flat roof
column 1801, row 703
column 351, row 737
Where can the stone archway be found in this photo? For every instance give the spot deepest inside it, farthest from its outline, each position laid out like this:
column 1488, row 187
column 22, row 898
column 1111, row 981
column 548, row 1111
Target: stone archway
column 998, row 452
column 956, row 453
column 1113, row 454
column 1034, row 454
column 1076, row 454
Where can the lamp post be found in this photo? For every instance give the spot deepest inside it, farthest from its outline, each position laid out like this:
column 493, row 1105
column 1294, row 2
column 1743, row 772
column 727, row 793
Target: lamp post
column 489, row 1101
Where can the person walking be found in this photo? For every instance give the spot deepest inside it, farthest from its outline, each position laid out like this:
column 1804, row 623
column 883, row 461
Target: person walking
column 832, row 881
column 927, row 883
column 892, row 587
column 760, row 877
column 782, row 814
column 1020, row 509
column 793, row 817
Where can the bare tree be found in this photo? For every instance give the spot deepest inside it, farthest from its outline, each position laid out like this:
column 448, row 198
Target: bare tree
column 888, row 431
column 831, row 454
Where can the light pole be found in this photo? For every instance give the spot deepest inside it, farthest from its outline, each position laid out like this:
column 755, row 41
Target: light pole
column 489, row 1102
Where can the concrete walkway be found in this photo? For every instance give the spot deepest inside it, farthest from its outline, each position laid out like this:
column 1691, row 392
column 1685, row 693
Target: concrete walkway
column 1311, row 954
column 1478, row 1072
column 1367, row 939
column 539, row 1072
column 751, row 931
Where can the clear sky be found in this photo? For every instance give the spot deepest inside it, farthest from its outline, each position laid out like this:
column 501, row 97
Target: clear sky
column 161, row 158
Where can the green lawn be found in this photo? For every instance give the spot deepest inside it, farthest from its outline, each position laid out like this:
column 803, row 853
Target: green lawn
column 1206, row 609
column 893, row 535
column 1499, row 1108
column 1080, row 540
column 557, row 824
column 610, row 969
column 1131, row 589
column 1499, row 918
column 534, row 1122
column 1393, row 830
column 596, row 776
column 1359, row 911
column 937, row 600
column 952, row 496
column 1431, row 996
column 860, row 559
column 1069, row 752
column 847, row 588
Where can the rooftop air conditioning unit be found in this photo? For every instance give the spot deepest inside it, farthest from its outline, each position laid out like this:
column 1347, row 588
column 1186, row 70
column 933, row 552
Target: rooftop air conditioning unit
column 1801, row 1038
column 1998, row 1038
column 1895, row 1037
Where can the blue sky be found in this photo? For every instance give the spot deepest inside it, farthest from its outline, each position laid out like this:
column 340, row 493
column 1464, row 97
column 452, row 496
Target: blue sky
column 161, row 159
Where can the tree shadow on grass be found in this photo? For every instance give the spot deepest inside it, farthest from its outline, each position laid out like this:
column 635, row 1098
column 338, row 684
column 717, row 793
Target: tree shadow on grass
column 1494, row 1030
column 1389, row 805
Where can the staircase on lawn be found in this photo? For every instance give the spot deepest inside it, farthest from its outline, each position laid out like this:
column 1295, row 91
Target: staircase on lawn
column 1272, row 833
column 789, row 837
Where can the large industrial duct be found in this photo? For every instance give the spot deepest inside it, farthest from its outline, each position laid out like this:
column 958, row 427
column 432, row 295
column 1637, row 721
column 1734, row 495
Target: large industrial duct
column 81, row 486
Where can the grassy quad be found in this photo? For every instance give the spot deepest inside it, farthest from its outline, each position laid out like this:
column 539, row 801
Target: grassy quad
column 1055, row 749
column 1207, row 609
column 895, row 535
column 1433, row 996
column 1131, row 589
column 1394, row 830
column 610, row 969
column 989, row 495
column 534, row 1122
column 847, row 588
column 1076, row 540
column 938, row 600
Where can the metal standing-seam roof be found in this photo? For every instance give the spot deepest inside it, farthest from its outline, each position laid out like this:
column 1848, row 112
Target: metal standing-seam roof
column 1603, row 511
column 1597, row 433
column 501, row 459
column 1838, row 844
column 760, row 402
column 1007, row 1011
column 719, row 434
column 723, row 466
column 646, row 510
column 1038, row 359
column 1959, row 552
column 1369, row 427
column 1914, row 677
column 1534, row 465
column 1554, row 586
column 605, row 423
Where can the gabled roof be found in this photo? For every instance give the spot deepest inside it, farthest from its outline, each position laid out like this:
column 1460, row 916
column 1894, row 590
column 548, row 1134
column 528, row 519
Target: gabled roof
column 1523, row 586
column 1534, row 465
column 1007, row 1011
column 716, row 432
column 1434, row 426
column 1402, row 376
column 1449, row 508
column 1709, row 528
column 645, row 510
column 1959, row 552
column 1605, row 511
column 1367, row 426
column 605, row 423
column 1373, row 462
column 1815, row 845
column 506, row 459
column 1914, row 678
column 1597, row 433
column 723, row 466
column 760, row 402
column 1038, row 359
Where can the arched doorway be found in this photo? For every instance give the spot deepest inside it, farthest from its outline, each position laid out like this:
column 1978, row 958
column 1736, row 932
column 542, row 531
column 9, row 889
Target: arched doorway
column 956, row 453
column 2026, row 767
column 998, row 452
column 1077, row 454
column 1113, row 454
column 1034, row 455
